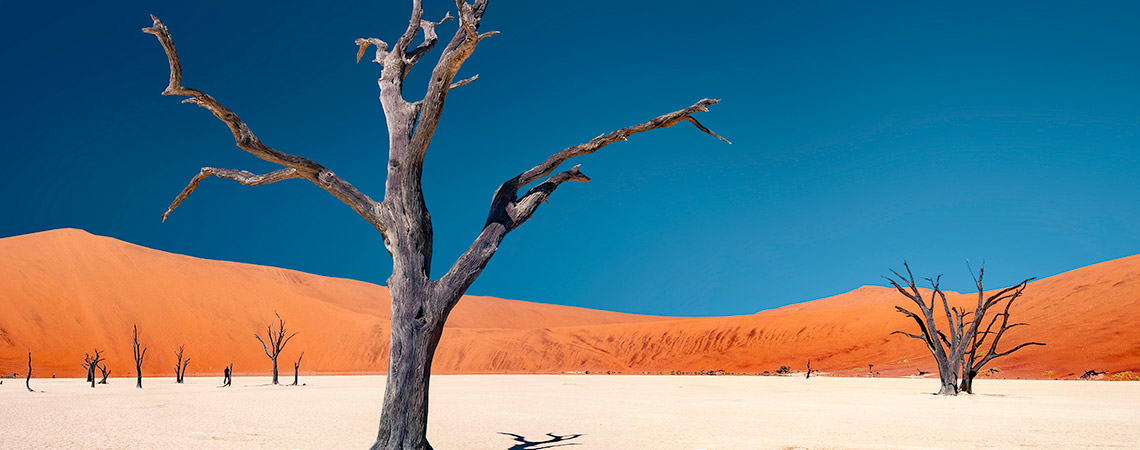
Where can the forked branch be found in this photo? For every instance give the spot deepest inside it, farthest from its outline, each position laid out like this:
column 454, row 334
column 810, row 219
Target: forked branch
column 246, row 140
column 509, row 210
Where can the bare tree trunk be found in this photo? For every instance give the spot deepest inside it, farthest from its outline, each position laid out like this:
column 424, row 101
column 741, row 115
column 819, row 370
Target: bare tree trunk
column 403, row 420
column 180, row 364
column 297, row 370
column 28, row 381
column 139, row 355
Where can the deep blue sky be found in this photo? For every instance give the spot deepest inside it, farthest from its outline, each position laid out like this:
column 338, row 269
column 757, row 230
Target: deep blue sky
column 864, row 134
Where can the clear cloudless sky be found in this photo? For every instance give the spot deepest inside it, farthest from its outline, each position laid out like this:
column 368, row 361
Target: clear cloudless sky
column 864, row 133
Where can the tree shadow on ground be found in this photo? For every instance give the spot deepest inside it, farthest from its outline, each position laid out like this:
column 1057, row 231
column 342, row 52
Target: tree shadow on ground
column 524, row 444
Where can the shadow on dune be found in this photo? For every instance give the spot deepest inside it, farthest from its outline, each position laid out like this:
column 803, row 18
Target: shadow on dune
column 524, row 444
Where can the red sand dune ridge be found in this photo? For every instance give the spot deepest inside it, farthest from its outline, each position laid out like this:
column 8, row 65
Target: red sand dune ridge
column 66, row 292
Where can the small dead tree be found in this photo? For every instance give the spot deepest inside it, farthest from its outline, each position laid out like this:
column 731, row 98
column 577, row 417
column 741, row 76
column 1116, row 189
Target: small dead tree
column 980, row 352
column 420, row 304
column 277, row 341
column 180, row 365
column 90, row 363
column 950, row 353
column 1090, row 374
column 139, row 355
column 297, row 369
column 28, row 381
column 808, row 370
column 103, row 371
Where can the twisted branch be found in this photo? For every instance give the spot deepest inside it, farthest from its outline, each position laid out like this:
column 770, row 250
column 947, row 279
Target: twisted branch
column 245, row 139
column 509, row 210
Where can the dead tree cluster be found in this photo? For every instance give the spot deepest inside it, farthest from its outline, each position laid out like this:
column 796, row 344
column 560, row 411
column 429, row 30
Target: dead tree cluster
column 968, row 347
column 420, row 304
column 90, row 363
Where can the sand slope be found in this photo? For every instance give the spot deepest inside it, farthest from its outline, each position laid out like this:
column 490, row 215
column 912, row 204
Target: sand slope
column 66, row 291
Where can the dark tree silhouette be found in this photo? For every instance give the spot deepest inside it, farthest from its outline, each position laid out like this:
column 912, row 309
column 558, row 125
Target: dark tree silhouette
column 90, row 363
column 139, row 355
column 420, row 305
column 103, row 371
column 297, row 369
column 808, row 370
column 277, row 341
column 28, row 381
column 950, row 353
column 180, row 365
column 980, row 351
column 87, row 366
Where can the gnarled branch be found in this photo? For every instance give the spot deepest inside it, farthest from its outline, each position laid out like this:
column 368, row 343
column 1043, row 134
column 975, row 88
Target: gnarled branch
column 245, row 139
column 597, row 143
column 509, row 210
column 241, row 176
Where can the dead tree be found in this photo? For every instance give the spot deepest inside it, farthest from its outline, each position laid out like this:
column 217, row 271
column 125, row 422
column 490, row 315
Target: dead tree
column 277, row 341
column 297, row 369
column 28, row 381
column 950, row 353
column 980, row 352
column 420, row 304
column 180, row 365
column 947, row 352
column 90, row 363
column 1090, row 374
column 87, row 366
column 138, row 358
column 808, row 370
column 103, row 371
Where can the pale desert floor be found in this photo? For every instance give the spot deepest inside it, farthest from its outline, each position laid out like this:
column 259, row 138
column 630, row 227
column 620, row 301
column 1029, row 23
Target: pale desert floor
column 609, row 412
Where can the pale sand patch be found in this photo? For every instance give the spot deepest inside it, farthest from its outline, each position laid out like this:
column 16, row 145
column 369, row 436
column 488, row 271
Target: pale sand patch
column 611, row 412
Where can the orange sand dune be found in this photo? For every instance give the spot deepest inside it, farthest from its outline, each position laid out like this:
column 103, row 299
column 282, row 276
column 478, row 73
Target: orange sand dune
column 66, row 291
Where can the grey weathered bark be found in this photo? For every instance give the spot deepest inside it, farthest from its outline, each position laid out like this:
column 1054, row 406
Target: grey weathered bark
column 28, row 381
column 180, row 365
column 947, row 352
column 139, row 355
column 979, row 348
column 950, row 353
column 277, row 341
column 420, row 304
column 297, row 369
